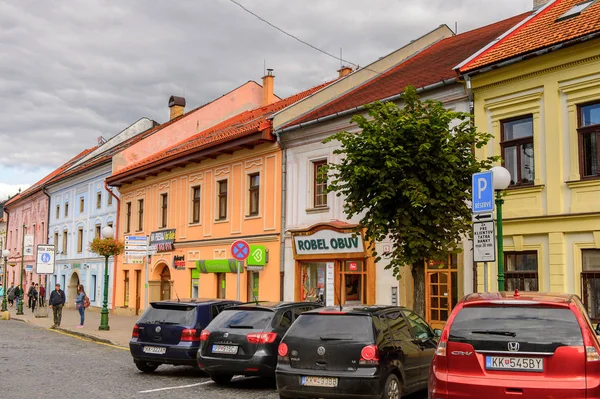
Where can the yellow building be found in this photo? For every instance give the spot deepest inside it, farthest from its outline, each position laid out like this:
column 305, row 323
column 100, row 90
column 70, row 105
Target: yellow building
column 537, row 89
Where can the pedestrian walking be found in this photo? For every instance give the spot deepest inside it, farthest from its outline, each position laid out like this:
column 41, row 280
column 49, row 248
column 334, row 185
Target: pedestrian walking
column 18, row 294
column 42, row 295
column 30, row 295
column 80, row 304
column 34, row 298
column 11, row 295
column 57, row 301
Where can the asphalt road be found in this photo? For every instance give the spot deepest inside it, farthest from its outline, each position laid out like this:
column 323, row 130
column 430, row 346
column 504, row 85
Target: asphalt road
column 39, row 363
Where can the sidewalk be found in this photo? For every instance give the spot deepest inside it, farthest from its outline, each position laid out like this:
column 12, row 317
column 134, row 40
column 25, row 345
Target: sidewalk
column 120, row 326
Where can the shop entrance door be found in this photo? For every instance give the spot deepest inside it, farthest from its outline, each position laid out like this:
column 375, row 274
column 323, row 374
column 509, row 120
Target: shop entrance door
column 441, row 290
column 353, row 282
column 165, row 284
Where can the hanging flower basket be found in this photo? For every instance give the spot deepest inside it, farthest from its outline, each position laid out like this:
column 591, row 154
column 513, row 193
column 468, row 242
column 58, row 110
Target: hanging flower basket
column 107, row 246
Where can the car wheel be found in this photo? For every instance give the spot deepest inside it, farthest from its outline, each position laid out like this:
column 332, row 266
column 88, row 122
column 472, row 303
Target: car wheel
column 392, row 389
column 221, row 379
column 146, row 367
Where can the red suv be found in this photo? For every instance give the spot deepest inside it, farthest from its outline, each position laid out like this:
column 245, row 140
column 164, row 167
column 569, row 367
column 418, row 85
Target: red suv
column 527, row 345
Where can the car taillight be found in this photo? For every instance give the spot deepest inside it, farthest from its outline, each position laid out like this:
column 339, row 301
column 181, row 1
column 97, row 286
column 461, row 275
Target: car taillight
column 136, row 332
column 261, row 338
column 282, row 350
column 369, row 355
column 591, row 354
column 204, row 335
column 441, row 349
column 189, row 335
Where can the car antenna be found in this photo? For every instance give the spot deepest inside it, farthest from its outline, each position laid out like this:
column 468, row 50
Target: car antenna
column 178, row 300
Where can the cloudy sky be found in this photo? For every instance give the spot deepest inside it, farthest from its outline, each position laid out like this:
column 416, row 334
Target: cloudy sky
column 71, row 71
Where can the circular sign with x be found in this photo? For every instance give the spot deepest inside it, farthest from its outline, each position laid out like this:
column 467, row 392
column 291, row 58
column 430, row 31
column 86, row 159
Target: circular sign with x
column 240, row 250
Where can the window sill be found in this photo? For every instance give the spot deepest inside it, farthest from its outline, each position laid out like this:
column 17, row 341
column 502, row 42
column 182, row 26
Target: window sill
column 194, row 224
column 218, row 221
column 251, row 217
column 530, row 189
column 585, row 182
column 322, row 209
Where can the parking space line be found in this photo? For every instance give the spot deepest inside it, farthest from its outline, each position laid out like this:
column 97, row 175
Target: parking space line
column 184, row 386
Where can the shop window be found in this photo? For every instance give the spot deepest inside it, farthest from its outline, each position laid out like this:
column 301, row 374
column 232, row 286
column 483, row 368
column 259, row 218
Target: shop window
column 589, row 140
column 164, row 207
column 128, row 217
column 313, row 281
column 80, row 240
column 222, row 193
column 126, row 285
column 98, row 200
column 253, row 278
column 590, row 282
column 253, row 194
column 521, row 271
column 221, row 285
column 320, row 184
column 196, row 204
column 517, row 150
column 140, row 223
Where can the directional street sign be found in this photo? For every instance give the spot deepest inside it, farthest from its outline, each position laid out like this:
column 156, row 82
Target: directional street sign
column 484, row 243
column 483, row 192
column 136, row 238
column 482, row 217
column 240, row 250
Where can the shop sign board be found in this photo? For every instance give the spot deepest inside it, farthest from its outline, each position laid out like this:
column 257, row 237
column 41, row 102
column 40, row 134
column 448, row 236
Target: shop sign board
column 45, row 259
column 28, row 242
column 29, row 268
column 328, row 242
column 179, row 262
column 353, row 266
column 252, row 268
column 134, row 259
column 219, row 266
column 258, row 256
column 484, row 244
column 163, row 240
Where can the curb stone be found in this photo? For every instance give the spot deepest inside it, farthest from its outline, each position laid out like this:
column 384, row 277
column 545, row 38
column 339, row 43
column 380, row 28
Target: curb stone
column 91, row 337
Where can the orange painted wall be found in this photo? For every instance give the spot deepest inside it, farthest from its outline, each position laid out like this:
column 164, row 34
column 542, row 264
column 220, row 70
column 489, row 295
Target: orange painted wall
column 209, row 239
column 246, row 97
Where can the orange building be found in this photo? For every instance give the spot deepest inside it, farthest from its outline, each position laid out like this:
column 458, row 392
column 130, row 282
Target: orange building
column 194, row 199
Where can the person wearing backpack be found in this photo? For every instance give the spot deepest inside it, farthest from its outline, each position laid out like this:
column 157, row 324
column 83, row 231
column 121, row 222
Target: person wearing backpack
column 81, row 302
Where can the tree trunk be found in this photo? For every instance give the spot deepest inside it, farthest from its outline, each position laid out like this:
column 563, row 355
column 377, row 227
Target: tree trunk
column 418, row 274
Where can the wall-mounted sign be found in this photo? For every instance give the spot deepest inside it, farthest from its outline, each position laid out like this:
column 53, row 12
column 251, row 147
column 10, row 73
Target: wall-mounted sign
column 76, row 266
column 29, row 268
column 45, row 259
column 163, row 240
column 179, row 262
column 258, row 256
column 353, row 266
column 328, row 242
column 134, row 259
column 219, row 266
column 28, row 243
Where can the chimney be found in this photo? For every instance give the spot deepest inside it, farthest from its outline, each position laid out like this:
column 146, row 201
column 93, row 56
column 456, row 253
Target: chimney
column 344, row 71
column 539, row 3
column 268, row 95
column 176, row 105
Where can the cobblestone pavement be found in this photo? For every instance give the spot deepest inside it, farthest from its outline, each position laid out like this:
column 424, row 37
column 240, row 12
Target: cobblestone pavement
column 42, row 363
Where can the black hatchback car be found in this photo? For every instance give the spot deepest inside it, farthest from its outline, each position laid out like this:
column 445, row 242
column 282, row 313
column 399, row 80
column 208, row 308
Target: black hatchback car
column 355, row 352
column 243, row 339
column 169, row 331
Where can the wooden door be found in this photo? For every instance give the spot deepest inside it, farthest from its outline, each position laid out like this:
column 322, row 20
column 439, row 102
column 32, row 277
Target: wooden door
column 440, row 291
column 165, row 284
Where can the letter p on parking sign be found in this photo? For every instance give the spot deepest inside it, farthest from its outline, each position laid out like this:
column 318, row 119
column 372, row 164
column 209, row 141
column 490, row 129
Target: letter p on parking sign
column 483, row 192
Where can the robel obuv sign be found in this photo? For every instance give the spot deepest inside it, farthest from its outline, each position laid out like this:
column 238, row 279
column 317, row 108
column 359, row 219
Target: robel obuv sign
column 328, row 242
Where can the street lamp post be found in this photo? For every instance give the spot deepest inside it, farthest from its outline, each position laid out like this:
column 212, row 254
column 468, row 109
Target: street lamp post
column 5, row 255
column 22, row 291
column 501, row 177
column 107, row 232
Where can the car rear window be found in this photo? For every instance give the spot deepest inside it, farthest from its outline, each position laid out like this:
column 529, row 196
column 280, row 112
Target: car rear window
column 169, row 314
column 251, row 319
column 334, row 327
column 525, row 324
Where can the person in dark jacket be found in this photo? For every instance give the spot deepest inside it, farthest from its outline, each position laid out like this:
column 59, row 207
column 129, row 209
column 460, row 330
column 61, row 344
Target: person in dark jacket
column 18, row 292
column 30, row 295
column 34, row 298
column 42, row 295
column 56, row 302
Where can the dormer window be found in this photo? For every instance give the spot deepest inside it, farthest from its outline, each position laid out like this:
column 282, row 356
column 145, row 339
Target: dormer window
column 575, row 10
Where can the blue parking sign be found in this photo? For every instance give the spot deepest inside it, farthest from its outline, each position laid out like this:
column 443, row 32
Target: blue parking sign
column 483, row 192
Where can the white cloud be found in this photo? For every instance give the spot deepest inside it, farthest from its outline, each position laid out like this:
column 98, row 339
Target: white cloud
column 11, row 189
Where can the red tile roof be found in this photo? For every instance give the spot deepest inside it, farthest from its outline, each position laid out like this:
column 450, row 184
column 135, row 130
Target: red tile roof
column 432, row 65
column 540, row 32
column 38, row 185
column 241, row 125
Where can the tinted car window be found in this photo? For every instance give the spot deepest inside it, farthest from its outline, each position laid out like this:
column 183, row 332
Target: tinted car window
column 164, row 314
column 420, row 328
column 298, row 311
column 344, row 327
column 283, row 320
column 398, row 326
column 238, row 318
column 530, row 324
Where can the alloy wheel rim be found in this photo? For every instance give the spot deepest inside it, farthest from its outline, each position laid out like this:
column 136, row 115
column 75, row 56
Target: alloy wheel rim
column 393, row 391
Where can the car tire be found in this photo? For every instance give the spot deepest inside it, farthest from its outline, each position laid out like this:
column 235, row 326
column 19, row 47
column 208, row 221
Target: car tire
column 146, row 367
column 221, row 378
column 392, row 388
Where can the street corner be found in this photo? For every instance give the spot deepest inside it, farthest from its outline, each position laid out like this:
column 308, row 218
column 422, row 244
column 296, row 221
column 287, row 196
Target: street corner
column 86, row 336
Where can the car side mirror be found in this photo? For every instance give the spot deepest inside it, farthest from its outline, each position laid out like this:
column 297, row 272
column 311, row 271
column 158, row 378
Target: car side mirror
column 598, row 329
column 437, row 333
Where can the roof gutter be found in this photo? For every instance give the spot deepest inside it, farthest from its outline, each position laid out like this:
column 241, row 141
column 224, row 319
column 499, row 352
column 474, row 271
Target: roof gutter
column 442, row 83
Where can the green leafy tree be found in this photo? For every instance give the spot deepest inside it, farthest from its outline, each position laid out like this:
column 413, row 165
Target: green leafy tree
column 407, row 173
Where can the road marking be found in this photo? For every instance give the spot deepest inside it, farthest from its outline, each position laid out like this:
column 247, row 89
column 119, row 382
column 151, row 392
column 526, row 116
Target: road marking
column 184, row 386
column 88, row 340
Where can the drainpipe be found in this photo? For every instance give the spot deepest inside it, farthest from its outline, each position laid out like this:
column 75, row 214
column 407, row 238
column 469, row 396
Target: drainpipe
column 471, row 99
column 6, row 241
column 283, row 207
column 47, row 229
column 114, row 293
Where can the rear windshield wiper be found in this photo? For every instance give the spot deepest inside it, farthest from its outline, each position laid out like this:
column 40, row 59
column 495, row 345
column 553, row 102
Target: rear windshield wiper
column 493, row 332
column 240, row 326
column 336, row 338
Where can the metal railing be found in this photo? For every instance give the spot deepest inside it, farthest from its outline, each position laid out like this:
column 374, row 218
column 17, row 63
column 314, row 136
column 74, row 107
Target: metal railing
column 590, row 293
column 522, row 281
